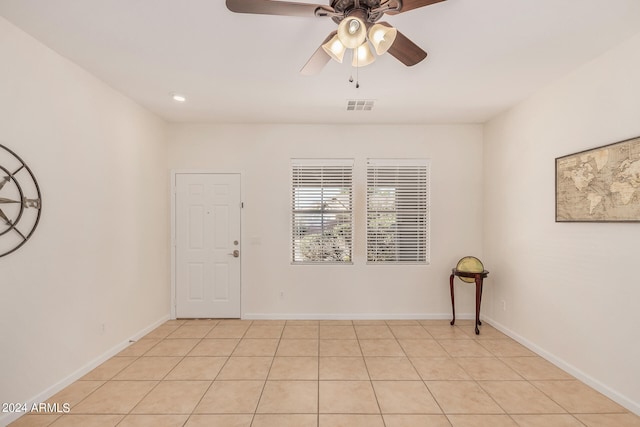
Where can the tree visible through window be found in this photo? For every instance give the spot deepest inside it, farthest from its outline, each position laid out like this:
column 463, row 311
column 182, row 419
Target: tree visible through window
column 322, row 216
column 397, row 211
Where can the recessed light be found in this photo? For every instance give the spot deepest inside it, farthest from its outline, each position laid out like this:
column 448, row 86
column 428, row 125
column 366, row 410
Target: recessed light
column 178, row 98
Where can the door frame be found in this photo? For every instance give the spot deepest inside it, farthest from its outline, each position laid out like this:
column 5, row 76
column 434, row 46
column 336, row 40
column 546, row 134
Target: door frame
column 173, row 246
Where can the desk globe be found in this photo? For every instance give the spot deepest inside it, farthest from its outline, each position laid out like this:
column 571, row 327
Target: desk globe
column 469, row 264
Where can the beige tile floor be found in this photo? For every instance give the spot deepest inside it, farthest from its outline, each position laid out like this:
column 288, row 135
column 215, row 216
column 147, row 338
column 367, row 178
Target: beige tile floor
column 240, row 373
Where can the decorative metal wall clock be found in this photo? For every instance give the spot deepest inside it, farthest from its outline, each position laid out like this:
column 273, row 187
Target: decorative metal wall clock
column 20, row 202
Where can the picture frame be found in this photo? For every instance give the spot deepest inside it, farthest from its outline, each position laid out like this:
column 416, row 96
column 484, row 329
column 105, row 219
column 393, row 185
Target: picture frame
column 599, row 184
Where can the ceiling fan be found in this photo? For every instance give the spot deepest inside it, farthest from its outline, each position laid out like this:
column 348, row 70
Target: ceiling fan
column 358, row 28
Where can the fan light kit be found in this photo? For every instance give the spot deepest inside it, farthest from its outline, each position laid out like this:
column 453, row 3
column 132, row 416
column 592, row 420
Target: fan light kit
column 352, row 34
column 358, row 28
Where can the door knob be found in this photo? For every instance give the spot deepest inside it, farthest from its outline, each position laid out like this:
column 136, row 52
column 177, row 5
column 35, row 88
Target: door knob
column 235, row 253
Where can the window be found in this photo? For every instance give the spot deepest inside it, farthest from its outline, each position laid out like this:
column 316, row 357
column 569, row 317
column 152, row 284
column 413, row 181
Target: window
column 398, row 211
column 322, row 217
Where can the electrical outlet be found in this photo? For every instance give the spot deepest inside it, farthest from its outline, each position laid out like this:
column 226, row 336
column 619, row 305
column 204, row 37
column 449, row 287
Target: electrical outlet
column 504, row 305
column 281, row 294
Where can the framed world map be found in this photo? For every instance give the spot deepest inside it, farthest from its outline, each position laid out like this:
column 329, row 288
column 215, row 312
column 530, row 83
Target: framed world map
column 600, row 185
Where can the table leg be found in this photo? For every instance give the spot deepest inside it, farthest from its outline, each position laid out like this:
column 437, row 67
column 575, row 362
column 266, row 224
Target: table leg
column 481, row 289
column 453, row 306
column 478, row 299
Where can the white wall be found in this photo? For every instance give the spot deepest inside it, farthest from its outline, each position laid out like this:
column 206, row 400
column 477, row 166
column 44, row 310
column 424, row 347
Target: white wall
column 570, row 288
column 100, row 253
column 262, row 153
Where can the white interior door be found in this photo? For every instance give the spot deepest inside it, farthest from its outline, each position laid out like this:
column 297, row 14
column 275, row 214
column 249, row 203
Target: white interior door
column 207, row 232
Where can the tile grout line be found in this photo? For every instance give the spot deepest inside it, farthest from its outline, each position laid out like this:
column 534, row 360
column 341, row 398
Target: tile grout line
column 318, row 388
column 116, row 374
column 264, row 385
column 420, row 376
column 212, row 382
column 318, row 400
column 364, row 361
column 167, row 374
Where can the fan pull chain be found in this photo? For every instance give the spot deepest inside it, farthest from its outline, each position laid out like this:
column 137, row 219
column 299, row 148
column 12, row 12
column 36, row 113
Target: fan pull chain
column 355, row 52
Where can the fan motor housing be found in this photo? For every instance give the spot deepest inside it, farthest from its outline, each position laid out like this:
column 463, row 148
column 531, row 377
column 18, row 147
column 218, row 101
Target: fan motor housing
column 346, row 6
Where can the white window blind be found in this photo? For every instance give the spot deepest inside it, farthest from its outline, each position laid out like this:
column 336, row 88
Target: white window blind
column 322, row 216
column 398, row 211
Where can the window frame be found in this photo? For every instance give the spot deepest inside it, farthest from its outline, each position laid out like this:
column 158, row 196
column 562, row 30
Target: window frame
column 322, row 178
column 413, row 177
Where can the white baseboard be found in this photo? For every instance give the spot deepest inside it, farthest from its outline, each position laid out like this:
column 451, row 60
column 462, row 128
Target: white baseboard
column 353, row 316
column 82, row 371
column 567, row 367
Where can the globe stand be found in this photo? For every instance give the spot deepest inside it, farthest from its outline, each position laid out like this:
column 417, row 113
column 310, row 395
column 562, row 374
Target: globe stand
column 478, row 278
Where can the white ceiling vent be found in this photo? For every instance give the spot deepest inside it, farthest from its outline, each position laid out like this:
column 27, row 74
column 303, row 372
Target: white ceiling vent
column 360, row 104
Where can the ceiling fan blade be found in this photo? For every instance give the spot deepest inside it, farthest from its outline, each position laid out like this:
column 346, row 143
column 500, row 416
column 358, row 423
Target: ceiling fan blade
column 404, row 50
column 414, row 4
column 318, row 60
column 272, row 7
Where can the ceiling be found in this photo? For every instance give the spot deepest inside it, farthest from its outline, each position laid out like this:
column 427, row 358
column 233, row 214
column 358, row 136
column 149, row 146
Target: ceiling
column 484, row 56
